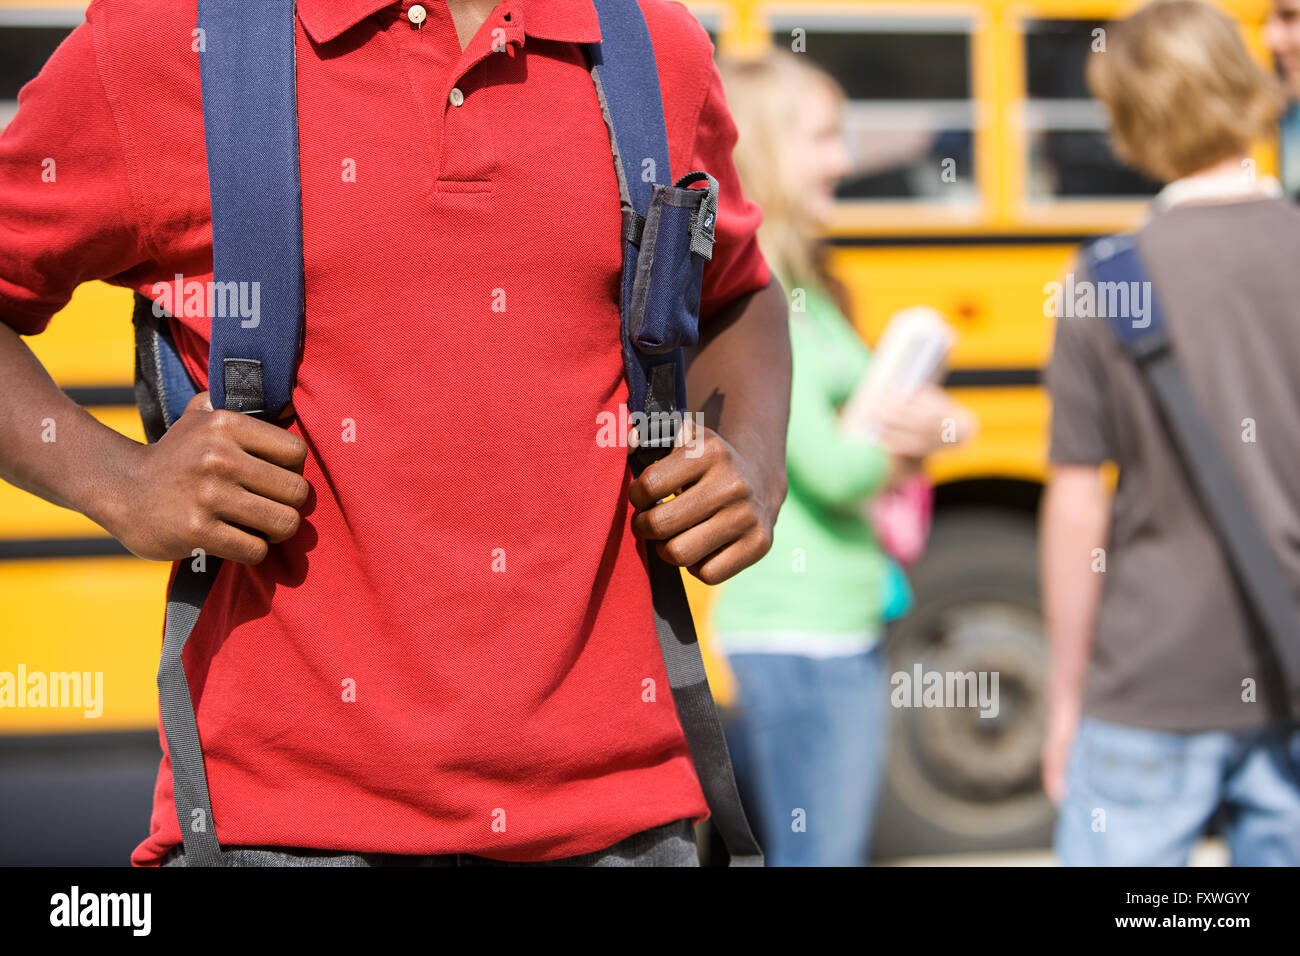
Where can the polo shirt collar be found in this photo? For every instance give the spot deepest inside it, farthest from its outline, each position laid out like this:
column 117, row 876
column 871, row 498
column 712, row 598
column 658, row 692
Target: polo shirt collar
column 571, row 21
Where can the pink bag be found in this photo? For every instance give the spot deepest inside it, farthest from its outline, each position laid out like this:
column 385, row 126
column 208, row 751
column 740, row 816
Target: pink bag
column 902, row 518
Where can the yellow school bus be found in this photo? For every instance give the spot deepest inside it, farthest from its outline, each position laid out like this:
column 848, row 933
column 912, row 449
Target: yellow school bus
column 980, row 164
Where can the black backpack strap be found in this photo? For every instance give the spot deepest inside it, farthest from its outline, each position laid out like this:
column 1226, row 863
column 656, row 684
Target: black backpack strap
column 162, row 385
column 1258, row 574
column 667, row 237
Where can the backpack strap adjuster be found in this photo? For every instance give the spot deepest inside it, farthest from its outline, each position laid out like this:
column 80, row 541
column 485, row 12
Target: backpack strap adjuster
column 633, row 226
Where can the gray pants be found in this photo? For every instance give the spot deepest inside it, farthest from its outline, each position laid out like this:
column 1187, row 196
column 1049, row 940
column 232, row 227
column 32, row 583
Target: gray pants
column 672, row 844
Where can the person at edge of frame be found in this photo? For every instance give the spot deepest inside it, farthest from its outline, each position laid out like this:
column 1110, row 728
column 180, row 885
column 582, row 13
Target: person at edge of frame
column 1163, row 707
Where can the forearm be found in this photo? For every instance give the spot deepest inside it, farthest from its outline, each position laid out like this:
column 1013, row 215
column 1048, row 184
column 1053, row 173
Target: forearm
column 1075, row 516
column 832, row 464
column 738, row 377
column 49, row 445
column 837, row 470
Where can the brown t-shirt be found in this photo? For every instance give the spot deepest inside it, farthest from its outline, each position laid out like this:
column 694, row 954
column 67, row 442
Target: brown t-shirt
column 1173, row 645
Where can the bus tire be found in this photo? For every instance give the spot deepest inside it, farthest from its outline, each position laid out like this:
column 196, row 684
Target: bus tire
column 955, row 781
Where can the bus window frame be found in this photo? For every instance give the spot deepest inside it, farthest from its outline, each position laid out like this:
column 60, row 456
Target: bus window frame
column 38, row 14
column 42, row 13
column 856, row 217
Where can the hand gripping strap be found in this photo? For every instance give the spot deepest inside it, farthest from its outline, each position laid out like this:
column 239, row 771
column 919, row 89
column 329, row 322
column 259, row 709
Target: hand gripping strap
column 627, row 84
column 250, row 125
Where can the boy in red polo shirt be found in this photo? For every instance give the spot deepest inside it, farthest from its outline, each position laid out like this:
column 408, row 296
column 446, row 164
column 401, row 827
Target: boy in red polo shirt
column 438, row 639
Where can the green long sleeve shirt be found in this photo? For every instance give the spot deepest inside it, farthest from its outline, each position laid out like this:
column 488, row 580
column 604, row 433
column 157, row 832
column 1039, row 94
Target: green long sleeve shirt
column 826, row 572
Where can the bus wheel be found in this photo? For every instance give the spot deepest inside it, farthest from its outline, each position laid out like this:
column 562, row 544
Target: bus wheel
column 958, row 781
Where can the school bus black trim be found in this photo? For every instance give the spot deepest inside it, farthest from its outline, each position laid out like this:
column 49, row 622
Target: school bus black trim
column 34, row 549
column 101, row 394
column 993, row 377
column 973, row 239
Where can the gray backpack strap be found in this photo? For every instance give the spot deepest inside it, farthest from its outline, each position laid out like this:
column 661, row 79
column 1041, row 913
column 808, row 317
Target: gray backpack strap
column 1258, row 574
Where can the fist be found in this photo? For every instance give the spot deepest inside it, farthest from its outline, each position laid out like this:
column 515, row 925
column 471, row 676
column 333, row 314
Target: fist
column 718, row 516
column 227, row 483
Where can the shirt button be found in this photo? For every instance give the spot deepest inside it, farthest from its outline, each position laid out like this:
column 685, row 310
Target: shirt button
column 416, row 14
column 457, row 97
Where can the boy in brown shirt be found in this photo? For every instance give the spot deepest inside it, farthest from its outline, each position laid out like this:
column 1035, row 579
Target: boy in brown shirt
column 1163, row 703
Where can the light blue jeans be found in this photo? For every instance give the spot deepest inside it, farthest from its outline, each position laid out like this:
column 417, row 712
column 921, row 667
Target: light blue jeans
column 1137, row 797
column 811, row 737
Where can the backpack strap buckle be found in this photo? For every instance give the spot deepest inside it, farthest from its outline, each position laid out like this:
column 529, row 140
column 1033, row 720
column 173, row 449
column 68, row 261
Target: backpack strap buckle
column 659, row 426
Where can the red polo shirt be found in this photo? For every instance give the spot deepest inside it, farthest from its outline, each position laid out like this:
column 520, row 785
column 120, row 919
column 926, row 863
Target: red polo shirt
column 465, row 562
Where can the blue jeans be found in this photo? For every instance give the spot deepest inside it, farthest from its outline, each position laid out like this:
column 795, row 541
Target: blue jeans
column 1138, row 797
column 812, row 734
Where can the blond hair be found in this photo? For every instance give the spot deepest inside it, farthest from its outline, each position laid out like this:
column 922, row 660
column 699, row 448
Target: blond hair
column 1182, row 91
column 765, row 95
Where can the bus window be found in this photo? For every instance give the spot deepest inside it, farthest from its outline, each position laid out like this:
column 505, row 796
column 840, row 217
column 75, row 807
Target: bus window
column 1069, row 156
column 28, row 35
column 910, row 119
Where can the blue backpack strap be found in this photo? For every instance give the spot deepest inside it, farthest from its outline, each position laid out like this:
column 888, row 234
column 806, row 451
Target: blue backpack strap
column 250, row 123
column 1261, row 582
column 1116, row 259
column 250, row 126
column 657, row 217
column 667, row 236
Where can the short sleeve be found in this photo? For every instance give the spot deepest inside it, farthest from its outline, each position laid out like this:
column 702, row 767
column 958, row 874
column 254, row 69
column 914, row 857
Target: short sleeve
column 66, row 209
column 737, row 266
column 1076, row 381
